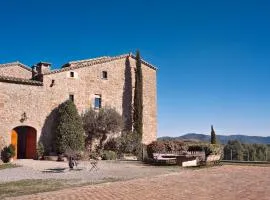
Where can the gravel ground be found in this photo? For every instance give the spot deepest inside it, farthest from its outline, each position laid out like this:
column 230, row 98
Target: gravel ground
column 113, row 170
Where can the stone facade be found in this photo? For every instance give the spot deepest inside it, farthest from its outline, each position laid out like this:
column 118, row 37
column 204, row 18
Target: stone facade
column 15, row 69
column 36, row 100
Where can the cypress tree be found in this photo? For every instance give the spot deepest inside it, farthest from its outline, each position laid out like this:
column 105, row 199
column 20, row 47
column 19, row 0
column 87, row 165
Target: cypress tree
column 138, row 99
column 213, row 136
column 69, row 130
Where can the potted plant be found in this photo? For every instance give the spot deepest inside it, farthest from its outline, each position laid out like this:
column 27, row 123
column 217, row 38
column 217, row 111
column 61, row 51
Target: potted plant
column 8, row 153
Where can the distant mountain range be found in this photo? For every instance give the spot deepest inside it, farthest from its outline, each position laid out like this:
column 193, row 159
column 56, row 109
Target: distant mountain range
column 222, row 138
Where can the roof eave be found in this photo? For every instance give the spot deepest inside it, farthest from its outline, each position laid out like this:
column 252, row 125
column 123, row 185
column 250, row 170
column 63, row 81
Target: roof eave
column 68, row 66
column 15, row 80
column 144, row 62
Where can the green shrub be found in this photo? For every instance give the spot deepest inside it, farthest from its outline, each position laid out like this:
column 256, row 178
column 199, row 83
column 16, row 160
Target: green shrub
column 40, row 150
column 155, row 147
column 109, row 155
column 213, row 149
column 130, row 143
column 175, row 145
column 69, row 128
column 94, row 155
column 163, row 146
column 209, row 149
column 195, row 147
column 127, row 143
column 7, row 153
column 112, row 144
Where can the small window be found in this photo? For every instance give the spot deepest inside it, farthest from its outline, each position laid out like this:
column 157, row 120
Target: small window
column 104, row 75
column 97, row 101
column 72, row 74
column 52, row 83
column 71, row 97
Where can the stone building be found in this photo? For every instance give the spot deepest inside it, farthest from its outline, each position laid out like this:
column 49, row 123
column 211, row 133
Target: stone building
column 29, row 96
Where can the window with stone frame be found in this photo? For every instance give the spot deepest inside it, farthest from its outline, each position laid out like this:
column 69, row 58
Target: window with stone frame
column 71, row 97
column 97, row 102
column 71, row 74
column 104, row 75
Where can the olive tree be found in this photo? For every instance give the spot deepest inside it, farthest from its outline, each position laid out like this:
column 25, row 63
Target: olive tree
column 99, row 124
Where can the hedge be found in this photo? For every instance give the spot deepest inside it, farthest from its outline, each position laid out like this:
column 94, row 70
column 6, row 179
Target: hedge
column 165, row 146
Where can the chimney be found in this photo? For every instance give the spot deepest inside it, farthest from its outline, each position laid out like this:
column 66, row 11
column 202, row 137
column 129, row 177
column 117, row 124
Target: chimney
column 34, row 71
column 39, row 69
column 43, row 67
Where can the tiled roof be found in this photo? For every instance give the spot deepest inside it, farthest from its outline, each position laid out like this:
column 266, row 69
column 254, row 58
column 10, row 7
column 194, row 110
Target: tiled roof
column 16, row 64
column 90, row 62
column 144, row 62
column 9, row 79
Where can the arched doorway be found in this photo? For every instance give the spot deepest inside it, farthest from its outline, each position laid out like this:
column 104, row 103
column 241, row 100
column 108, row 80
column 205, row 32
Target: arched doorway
column 24, row 139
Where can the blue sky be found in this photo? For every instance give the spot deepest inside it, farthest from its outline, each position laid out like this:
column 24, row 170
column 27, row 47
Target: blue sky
column 213, row 56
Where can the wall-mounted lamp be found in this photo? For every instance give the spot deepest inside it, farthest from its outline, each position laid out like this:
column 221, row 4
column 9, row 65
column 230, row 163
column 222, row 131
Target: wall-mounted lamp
column 23, row 117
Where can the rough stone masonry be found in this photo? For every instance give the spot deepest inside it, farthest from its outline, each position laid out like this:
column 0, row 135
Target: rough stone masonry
column 28, row 97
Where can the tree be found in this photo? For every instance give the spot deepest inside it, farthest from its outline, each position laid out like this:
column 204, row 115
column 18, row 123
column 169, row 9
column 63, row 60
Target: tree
column 213, row 136
column 100, row 124
column 69, row 128
column 233, row 150
column 138, row 99
column 236, row 150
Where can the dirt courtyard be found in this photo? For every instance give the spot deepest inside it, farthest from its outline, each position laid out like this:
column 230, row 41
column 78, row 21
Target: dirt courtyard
column 222, row 182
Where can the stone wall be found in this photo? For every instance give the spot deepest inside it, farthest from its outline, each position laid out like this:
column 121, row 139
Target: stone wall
column 15, row 71
column 16, row 99
column 39, row 102
column 149, row 101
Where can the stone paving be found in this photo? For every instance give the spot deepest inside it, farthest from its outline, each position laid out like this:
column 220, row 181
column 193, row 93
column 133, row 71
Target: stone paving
column 222, row 183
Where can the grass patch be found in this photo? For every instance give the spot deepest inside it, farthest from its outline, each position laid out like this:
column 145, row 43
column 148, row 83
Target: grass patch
column 110, row 179
column 24, row 187
column 33, row 186
column 8, row 165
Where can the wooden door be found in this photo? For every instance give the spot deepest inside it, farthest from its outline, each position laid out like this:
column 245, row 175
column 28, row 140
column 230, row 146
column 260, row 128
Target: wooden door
column 31, row 143
column 14, row 141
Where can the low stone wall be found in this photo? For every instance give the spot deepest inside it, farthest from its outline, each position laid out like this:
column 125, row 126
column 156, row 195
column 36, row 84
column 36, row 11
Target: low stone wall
column 213, row 158
column 191, row 163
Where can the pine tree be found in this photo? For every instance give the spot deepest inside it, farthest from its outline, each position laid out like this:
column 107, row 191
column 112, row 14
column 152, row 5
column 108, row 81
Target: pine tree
column 213, row 136
column 69, row 128
column 138, row 99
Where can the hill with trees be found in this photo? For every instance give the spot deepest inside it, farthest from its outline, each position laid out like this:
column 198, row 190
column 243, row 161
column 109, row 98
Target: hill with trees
column 222, row 138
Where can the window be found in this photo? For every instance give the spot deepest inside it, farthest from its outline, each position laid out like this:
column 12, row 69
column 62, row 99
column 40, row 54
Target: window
column 52, row 83
column 97, row 101
column 71, row 97
column 72, row 74
column 104, row 75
